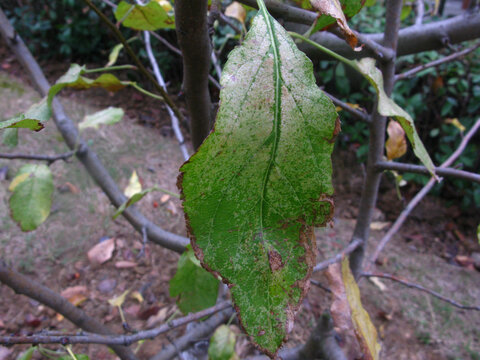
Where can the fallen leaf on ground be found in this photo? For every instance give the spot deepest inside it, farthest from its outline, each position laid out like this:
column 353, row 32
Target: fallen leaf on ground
column 125, row 264
column 160, row 317
column 137, row 296
column 119, row 300
column 379, row 225
column 378, row 283
column 164, row 198
column 101, row 252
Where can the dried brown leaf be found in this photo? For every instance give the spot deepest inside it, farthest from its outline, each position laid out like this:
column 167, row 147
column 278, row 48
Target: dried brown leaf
column 236, row 11
column 396, row 145
column 101, row 252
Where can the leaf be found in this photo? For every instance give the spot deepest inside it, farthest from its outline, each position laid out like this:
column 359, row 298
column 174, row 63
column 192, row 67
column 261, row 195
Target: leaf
column 195, row 287
column 396, row 144
column 10, row 137
column 351, row 320
column 101, row 252
column 387, row 107
column 333, row 9
column 165, row 5
column 151, row 16
column 113, row 56
column 119, row 300
column 134, row 186
column 348, row 8
column 108, row 116
column 237, row 11
column 78, row 356
column 456, row 123
column 32, row 196
column 34, row 118
column 222, row 344
column 27, row 355
column 478, row 233
column 262, row 180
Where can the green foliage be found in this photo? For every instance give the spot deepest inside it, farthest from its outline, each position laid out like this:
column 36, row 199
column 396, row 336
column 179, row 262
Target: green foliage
column 10, row 137
column 33, row 119
column 222, row 344
column 64, row 28
column 196, row 288
column 109, row 116
column 32, row 196
column 262, row 180
column 151, row 16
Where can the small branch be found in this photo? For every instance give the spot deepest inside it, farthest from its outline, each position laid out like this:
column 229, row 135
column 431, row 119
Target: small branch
column 421, row 194
column 419, row 169
column 420, row 12
column 227, row 21
column 337, row 258
column 23, row 285
column 438, row 62
column 355, row 112
column 120, row 339
column 50, row 159
column 136, row 60
column 421, row 288
column 200, row 330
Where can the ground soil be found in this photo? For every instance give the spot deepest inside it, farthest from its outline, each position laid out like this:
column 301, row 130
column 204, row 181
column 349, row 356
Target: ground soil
column 411, row 324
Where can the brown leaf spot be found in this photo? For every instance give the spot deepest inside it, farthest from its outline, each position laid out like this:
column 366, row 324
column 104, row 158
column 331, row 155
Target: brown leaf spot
column 275, row 260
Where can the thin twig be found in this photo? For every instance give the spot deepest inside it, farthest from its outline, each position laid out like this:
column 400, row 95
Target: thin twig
column 226, row 20
column 48, row 158
column 320, row 285
column 337, row 258
column 355, row 112
column 135, row 59
column 158, row 75
column 421, row 288
column 421, row 194
column 420, row 12
column 419, row 169
column 438, row 62
column 120, row 339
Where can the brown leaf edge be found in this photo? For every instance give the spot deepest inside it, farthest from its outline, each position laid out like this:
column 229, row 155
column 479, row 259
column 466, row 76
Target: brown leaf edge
column 307, row 240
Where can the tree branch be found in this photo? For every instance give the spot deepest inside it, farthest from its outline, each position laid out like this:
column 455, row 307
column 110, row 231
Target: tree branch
column 419, row 169
column 201, row 330
column 421, row 194
column 86, row 156
column 355, row 112
column 23, row 285
column 421, row 288
column 120, row 339
column 50, row 159
column 337, row 258
column 451, row 57
column 192, row 33
column 376, row 143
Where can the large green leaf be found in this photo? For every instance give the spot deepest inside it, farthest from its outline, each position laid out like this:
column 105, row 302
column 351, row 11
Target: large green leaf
column 151, row 16
column 262, row 180
column 196, row 288
column 32, row 195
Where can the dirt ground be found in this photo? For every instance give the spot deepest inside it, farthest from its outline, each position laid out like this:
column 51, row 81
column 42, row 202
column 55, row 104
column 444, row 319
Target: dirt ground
column 411, row 324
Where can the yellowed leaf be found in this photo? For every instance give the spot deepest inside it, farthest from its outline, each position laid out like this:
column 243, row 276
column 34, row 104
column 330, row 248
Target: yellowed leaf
column 119, row 300
column 364, row 328
column 164, row 198
column 17, row 180
column 137, row 296
column 378, row 283
column 165, row 4
column 74, row 291
column 379, row 225
column 456, row 123
column 134, row 185
column 101, row 252
column 333, row 8
column 236, row 11
column 396, row 145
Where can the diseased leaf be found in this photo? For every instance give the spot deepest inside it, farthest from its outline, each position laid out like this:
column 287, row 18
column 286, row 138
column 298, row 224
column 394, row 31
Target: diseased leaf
column 236, row 11
column 195, row 287
column 32, row 195
column 222, row 344
column 151, row 16
column 351, row 320
column 348, row 8
column 10, row 137
column 134, row 186
column 333, row 9
column 34, row 118
column 396, row 144
column 108, row 116
column 262, row 180
column 388, row 107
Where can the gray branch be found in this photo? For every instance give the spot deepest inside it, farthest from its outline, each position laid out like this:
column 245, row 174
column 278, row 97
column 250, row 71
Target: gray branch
column 50, row 159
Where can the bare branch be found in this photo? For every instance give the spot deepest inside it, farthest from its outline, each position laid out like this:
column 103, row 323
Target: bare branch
column 419, row 169
column 419, row 11
column 451, row 57
column 355, row 112
column 421, row 194
column 120, row 339
column 86, row 156
column 337, row 258
column 421, row 288
column 23, row 285
column 50, row 159
column 200, row 330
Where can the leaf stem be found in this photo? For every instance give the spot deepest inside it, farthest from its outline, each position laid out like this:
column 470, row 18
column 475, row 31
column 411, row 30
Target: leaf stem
column 110, row 68
column 146, row 92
